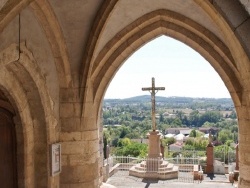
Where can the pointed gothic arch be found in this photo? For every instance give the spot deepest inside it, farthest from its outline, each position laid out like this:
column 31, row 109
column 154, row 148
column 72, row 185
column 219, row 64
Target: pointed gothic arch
column 35, row 121
column 228, row 59
column 163, row 22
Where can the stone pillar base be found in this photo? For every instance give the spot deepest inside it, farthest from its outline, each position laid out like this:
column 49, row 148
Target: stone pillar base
column 154, row 150
column 210, row 169
column 236, row 175
column 210, row 159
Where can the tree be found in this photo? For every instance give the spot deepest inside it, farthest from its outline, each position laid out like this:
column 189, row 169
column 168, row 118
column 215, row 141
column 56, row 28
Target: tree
column 196, row 143
column 233, row 115
column 133, row 135
column 185, row 121
column 105, row 143
column 168, row 141
column 225, row 135
column 210, row 116
column 221, row 152
column 208, row 124
column 194, row 118
column 190, row 141
column 124, row 131
column 129, row 148
column 192, row 133
column 124, row 142
column 161, row 118
column 114, row 142
column 188, row 147
column 176, row 122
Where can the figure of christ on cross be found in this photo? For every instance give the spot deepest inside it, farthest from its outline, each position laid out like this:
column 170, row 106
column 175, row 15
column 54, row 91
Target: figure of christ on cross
column 153, row 90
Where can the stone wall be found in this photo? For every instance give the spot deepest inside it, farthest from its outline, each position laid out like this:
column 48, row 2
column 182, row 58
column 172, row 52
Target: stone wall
column 57, row 60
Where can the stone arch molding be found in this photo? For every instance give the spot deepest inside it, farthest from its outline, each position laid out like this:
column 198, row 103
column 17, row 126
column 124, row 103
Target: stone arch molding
column 165, row 22
column 34, row 131
column 227, row 57
column 44, row 13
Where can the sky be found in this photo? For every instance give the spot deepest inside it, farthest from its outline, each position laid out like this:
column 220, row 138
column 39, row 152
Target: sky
column 174, row 65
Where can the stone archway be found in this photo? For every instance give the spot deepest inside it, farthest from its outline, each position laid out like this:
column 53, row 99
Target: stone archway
column 162, row 22
column 229, row 60
column 24, row 87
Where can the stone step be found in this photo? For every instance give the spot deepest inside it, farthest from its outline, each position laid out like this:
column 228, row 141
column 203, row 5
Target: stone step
column 140, row 168
column 164, row 172
column 174, row 170
column 143, row 164
column 164, row 164
column 167, row 168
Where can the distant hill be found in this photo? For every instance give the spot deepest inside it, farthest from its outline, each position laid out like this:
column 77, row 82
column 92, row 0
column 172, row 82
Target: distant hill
column 173, row 100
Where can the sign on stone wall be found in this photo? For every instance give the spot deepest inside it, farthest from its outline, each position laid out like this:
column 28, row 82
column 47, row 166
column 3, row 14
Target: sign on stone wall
column 55, row 159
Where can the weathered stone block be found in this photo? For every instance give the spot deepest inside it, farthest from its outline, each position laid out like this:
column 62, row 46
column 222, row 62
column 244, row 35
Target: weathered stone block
column 64, row 160
column 88, row 124
column 74, row 147
column 231, row 10
column 70, row 136
column 69, row 95
column 79, row 185
column 91, row 147
column 77, row 160
column 67, row 110
column 79, row 174
column 77, row 109
column 70, row 124
column 90, row 135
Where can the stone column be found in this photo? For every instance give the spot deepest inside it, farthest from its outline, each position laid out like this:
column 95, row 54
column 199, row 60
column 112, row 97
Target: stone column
column 210, row 159
column 237, row 157
column 244, row 152
column 236, row 171
column 79, row 138
column 154, row 150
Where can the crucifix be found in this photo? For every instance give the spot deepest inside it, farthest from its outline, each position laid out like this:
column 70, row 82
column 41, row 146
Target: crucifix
column 153, row 90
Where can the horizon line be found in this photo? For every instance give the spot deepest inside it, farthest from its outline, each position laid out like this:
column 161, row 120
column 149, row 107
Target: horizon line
column 173, row 97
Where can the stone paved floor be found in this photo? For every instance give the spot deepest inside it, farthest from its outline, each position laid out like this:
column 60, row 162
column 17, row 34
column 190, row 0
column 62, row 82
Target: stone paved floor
column 122, row 181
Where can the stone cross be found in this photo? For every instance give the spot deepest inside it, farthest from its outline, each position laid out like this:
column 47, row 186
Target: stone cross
column 153, row 90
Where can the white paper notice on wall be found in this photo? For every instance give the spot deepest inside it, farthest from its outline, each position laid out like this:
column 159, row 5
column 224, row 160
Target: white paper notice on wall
column 55, row 159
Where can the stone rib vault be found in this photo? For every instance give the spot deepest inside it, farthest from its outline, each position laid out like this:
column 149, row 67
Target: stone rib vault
column 57, row 58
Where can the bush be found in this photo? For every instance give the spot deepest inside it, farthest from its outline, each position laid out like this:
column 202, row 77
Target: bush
column 129, row 148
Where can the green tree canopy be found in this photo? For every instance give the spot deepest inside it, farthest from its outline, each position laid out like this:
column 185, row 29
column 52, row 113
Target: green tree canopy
column 130, row 148
column 192, row 133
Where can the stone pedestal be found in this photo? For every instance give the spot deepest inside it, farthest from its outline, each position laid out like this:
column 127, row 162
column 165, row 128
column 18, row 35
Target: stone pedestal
column 154, row 150
column 236, row 175
column 154, row 167
column 210, row 159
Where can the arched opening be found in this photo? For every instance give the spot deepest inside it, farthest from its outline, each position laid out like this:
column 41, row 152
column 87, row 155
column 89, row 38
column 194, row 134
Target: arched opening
column 189, row 73
column 178, row 67
column 24, row 88
column 212, row 49
column 113, row 55
column 225, row 57
column 190, row 76
column 8, row 152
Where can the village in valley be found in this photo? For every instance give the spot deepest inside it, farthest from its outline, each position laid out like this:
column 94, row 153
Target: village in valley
column 184, row 123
